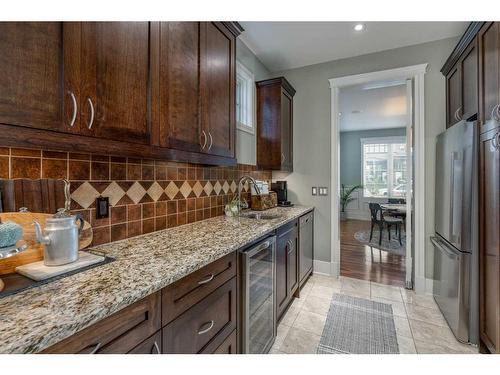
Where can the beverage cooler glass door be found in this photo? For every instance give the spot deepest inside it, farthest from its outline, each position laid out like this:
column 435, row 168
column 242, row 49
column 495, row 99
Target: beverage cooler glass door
column 259, row 297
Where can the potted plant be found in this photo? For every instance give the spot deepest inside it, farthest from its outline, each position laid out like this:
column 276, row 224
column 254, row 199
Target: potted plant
column 345, row 198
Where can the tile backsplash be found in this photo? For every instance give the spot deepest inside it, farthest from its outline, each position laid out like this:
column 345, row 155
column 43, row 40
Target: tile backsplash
column 145, row 195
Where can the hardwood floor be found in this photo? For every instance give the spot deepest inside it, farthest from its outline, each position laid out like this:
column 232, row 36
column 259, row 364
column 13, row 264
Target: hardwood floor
column 363, row 262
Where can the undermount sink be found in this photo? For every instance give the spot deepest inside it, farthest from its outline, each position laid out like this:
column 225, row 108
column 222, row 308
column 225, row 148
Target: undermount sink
column 261, row 216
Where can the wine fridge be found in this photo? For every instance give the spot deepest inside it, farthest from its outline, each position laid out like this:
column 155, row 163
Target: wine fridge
column 259, row 296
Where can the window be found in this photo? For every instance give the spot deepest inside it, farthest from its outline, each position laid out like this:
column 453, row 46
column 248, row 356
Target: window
column 384, row 167
column 245, row 97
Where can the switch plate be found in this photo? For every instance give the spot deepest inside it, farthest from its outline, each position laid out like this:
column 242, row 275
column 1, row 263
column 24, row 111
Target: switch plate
column 314, row 190
column 323, row 191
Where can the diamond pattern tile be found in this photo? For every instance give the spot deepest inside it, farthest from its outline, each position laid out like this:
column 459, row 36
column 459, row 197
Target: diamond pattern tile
column 114, row 192
column 233, row 186
column 136, row 192
column 85, row 195
column 185, row 189
column 217, row 187
column 197, row 188
column 225, row 187
column 171, row 190
column 208, row 188
column 155, row 191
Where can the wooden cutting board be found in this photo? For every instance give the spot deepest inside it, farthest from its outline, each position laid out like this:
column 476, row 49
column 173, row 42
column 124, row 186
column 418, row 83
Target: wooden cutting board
column 34, row 253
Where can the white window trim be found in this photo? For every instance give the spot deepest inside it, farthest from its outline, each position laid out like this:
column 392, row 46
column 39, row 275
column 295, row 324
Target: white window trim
column 371, row 141
column 246, row 74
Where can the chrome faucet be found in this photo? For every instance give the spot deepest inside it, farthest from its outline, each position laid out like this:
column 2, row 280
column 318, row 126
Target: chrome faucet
column 240, row 185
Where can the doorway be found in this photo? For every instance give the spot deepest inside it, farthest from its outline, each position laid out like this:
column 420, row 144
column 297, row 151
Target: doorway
column 384, row 170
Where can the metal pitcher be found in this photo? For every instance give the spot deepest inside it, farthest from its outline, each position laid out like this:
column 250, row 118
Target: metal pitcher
column 61, row 238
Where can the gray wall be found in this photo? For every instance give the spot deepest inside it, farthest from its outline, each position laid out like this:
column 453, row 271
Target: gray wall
column 245, row 142
column 312, row 125
column 350, row 151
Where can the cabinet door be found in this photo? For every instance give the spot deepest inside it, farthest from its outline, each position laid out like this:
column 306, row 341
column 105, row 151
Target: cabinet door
column 490, row 239
column 179, row 75
column 286, row 131
column 469, row 88
column 453, row 96
column 489, row 72
column 115, row 73
column 286, row 266
column 218, row 87
column 151, row 345
column 34, row 92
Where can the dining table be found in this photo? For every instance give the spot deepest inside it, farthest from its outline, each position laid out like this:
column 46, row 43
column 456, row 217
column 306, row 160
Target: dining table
column 394, row 207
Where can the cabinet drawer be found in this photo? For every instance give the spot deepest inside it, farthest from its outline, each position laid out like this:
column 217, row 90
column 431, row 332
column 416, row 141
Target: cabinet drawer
column 228, row 346
column 117, row 334
column 204, row 326
column 152, row 345
column 183, row 294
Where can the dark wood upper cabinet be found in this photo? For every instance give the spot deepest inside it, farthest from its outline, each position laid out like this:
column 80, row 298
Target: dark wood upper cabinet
column 275, row 124
column 218, row 77
column 179, row 86
column 489, row 73
column 489, row 239
column 114, row 82
column 453, row 95
column 34, row 92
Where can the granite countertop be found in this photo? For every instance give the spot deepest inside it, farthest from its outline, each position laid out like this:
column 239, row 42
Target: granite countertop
column 37, row 318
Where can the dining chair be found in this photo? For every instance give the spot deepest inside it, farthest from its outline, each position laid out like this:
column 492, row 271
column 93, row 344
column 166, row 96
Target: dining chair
column 378, row 218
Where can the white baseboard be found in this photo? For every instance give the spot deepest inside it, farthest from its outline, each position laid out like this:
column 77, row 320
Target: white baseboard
column 325, row 268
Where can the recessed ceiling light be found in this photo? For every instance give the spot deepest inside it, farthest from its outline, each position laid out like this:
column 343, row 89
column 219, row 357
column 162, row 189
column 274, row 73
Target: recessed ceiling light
column 359, row 27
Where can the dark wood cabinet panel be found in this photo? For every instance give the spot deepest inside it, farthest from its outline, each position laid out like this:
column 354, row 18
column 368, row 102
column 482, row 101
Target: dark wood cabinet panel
column 180, row 296
column 286, row 266
column 218, row 51
column 34, row 92
column 114, row 83
column 117, row 334
column 275, row 124
column 204, row 325
column 469, row 66
column 151, row 345
column 489, row 244
column 306, row 246
column 489, row 73
column 229, row 345
column 454, row 96
column 179, row 91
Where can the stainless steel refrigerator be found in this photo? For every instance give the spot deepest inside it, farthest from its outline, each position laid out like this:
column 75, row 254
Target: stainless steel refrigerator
column 456, row 289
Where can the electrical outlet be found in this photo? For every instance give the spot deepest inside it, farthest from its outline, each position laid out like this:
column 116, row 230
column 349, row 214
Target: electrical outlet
column 314, row 190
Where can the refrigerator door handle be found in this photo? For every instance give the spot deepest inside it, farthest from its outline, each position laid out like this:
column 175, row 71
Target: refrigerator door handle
column 437, row 243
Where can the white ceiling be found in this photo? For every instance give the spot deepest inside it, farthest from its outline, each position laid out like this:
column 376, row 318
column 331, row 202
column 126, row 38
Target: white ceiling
column 374, row 107
column 287, row 45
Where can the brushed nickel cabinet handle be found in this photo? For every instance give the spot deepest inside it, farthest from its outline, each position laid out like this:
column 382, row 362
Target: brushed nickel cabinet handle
column 157, row 348
column 210, row 326
column 496, row 140
column 494, row 113
column 205, row 140
column 498, row 112
column 211, row 140
column 282, row 158
column 456, row 115
column 92, row 112
column 75, row 109
column 207, row 280
column 459, row 116
column 96, row 348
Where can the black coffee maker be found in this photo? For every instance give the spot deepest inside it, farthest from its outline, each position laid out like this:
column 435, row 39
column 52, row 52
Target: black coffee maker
column 279, row 187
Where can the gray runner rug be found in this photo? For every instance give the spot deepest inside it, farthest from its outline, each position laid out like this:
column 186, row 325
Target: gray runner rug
column 358, row 326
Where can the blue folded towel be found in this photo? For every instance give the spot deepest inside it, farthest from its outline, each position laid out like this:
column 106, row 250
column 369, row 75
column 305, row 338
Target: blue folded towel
column 10, row 233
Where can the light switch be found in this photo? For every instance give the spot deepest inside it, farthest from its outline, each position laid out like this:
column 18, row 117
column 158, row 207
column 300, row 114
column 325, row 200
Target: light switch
column 314, row 190
column 323, row 190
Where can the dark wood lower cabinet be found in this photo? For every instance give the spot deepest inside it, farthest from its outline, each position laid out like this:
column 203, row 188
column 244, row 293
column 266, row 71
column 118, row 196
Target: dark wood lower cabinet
column 204, row 326
column 489, row 244
column 229, row 345
column 287, row 271
column 151, row 345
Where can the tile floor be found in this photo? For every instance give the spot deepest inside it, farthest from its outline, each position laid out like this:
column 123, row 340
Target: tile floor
column 420, row 327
